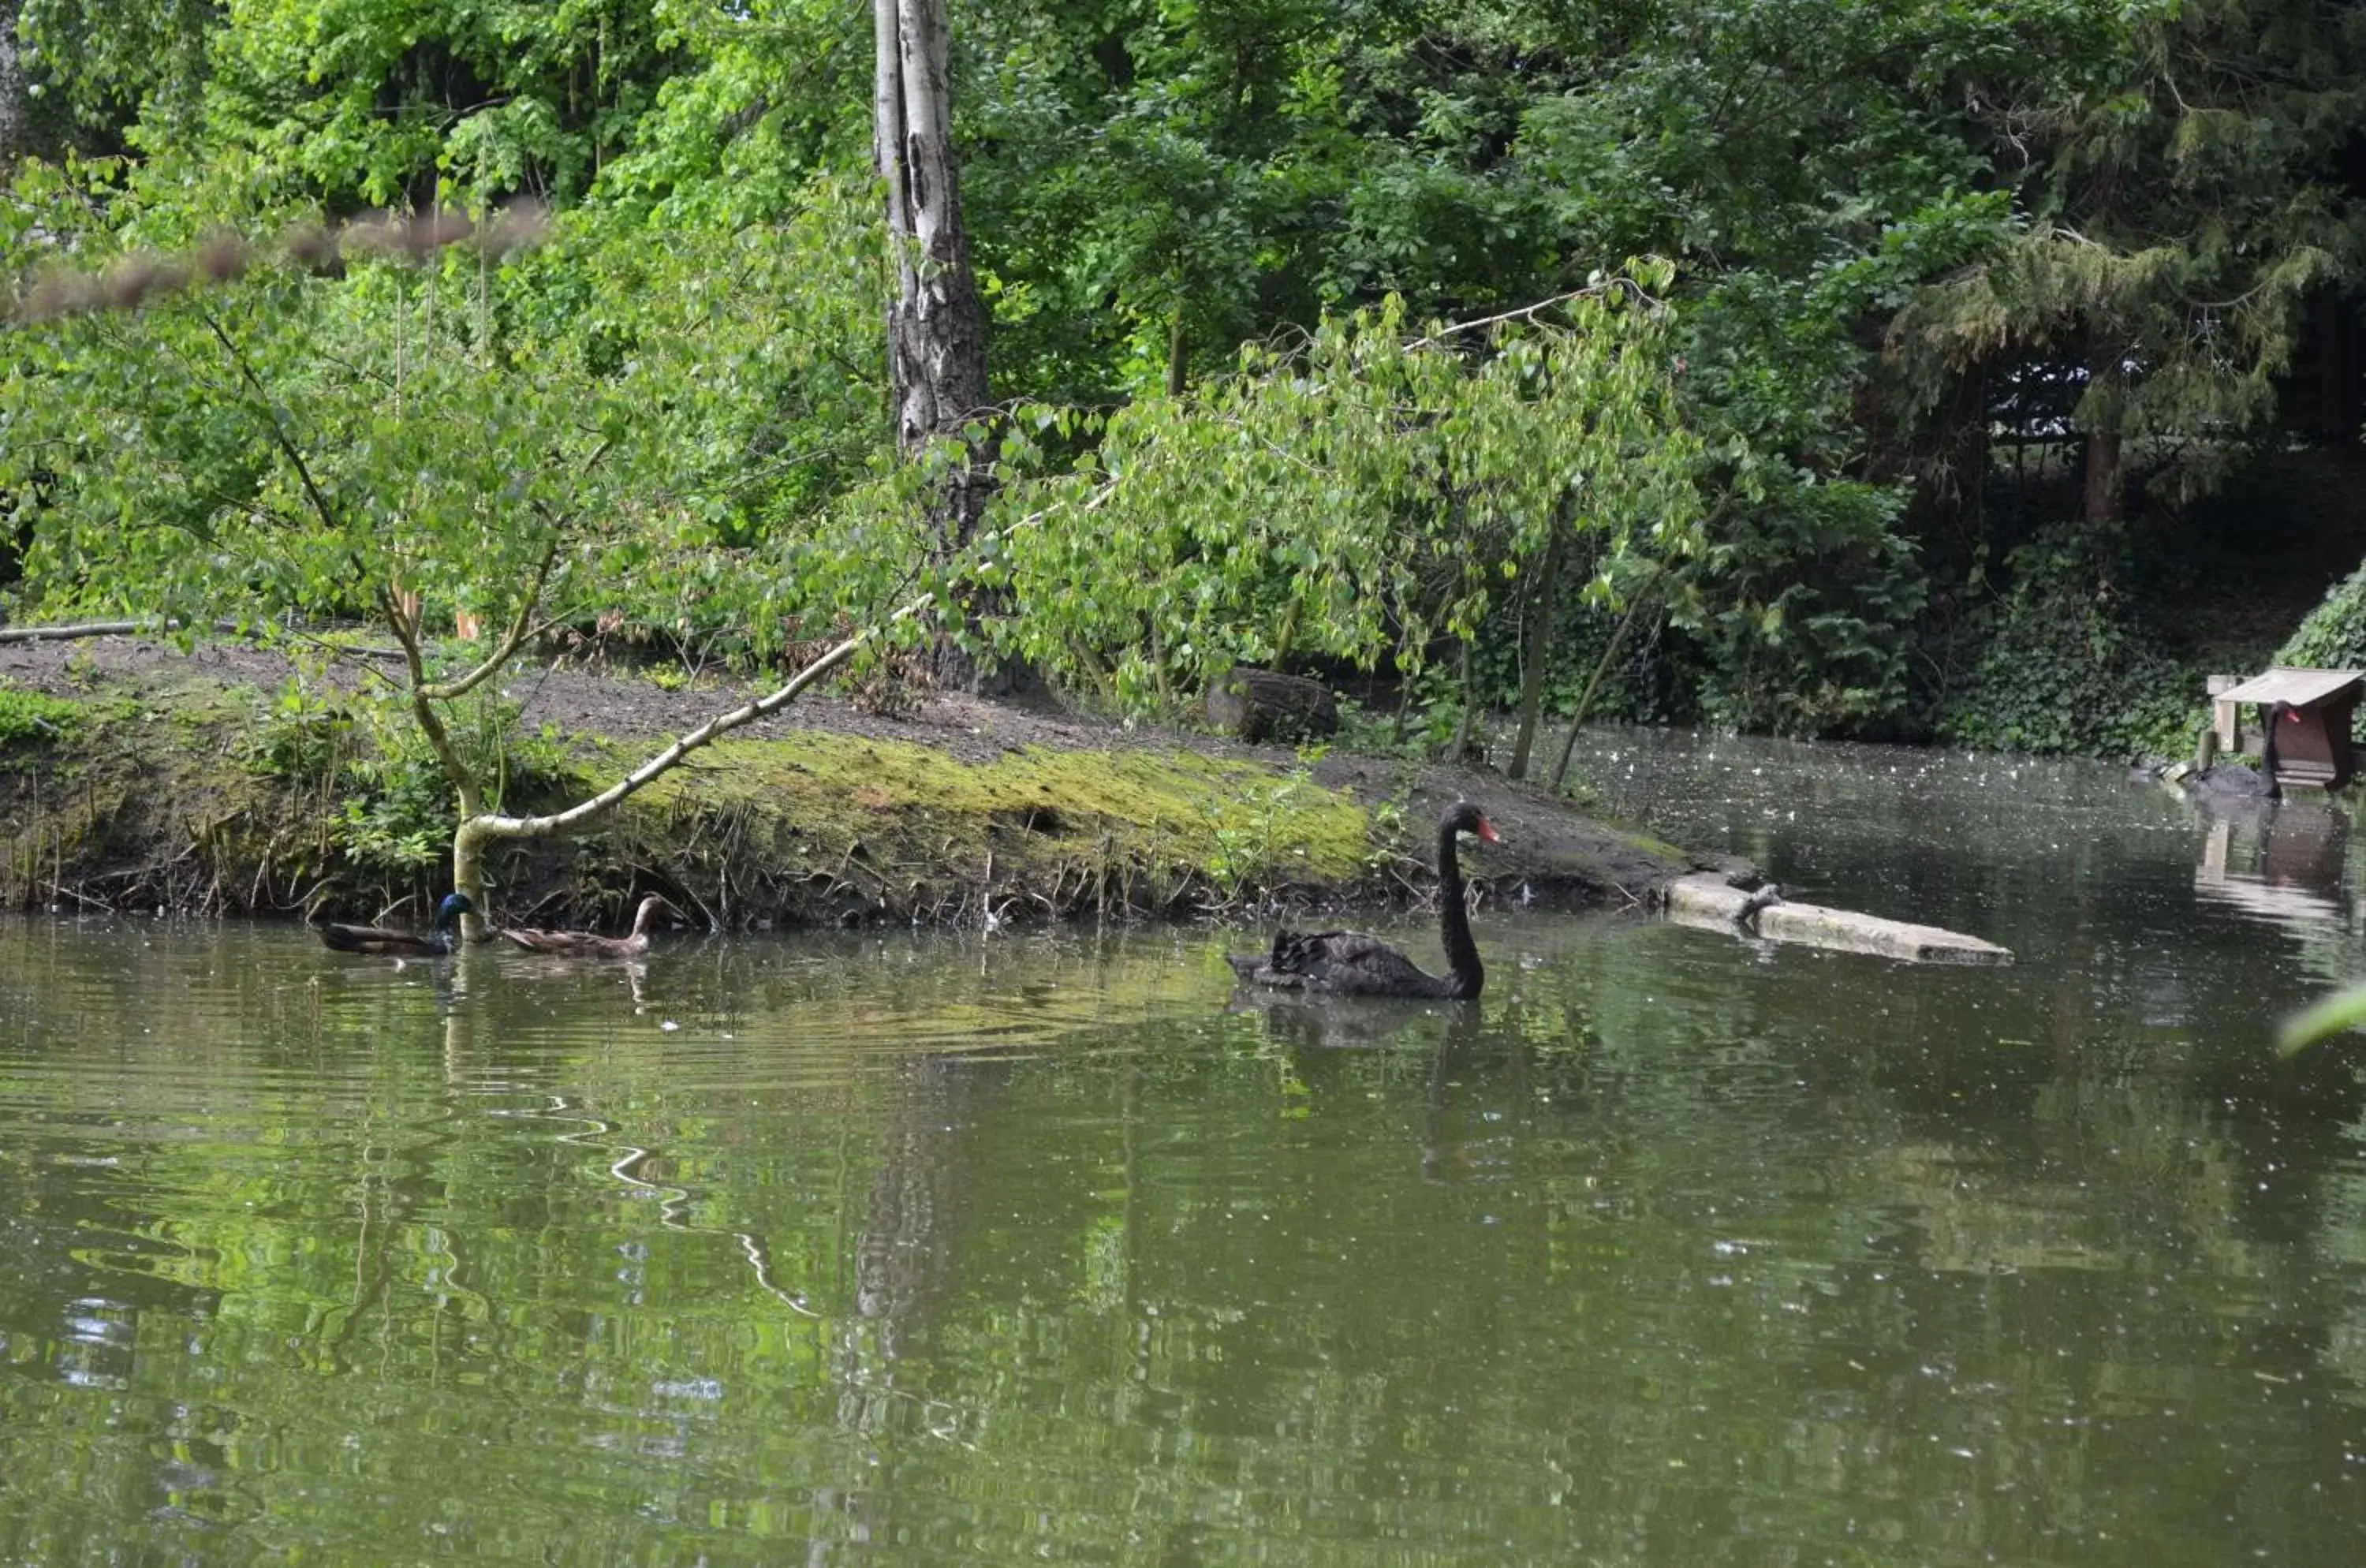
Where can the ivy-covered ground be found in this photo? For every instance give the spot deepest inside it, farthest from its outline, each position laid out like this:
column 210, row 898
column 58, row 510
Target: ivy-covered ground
column 231, row 780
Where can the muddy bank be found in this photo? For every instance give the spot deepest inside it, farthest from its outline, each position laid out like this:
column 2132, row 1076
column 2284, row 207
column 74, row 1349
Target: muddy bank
column 133, row 776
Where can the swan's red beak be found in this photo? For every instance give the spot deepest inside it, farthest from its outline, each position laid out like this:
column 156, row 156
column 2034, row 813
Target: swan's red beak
column 1487, row 831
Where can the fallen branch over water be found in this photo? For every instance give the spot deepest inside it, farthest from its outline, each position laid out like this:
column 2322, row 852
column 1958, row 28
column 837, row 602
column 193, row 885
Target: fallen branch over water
column 1709, row 902
column 480, row 832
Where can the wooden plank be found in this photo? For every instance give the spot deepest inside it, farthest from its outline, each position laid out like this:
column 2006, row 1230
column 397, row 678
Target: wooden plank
column 2286, row 683
column 1706, row 901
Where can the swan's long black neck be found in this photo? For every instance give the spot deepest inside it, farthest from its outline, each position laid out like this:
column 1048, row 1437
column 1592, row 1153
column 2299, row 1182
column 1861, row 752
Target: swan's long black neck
column 1465, row 974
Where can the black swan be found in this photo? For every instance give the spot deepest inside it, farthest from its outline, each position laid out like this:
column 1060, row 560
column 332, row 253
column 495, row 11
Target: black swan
column 377, row 939
column 2277, row 714
column 585, row 944
column 1350, row 963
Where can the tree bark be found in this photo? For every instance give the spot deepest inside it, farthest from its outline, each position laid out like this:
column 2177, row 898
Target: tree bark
column 1462, row 748
column 2101, row 409
column 2102, row 504
column 1179, row 355
column 1546, row 609
column 936, row 327
column 15, row 104
column 1601, row 669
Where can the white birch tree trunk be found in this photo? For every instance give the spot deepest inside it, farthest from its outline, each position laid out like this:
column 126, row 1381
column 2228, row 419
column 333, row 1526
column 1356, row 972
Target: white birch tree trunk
column 936, row 327
column 15, row 104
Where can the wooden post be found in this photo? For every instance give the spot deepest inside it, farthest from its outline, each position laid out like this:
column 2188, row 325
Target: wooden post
column 2212, row 869
column 2226, row 717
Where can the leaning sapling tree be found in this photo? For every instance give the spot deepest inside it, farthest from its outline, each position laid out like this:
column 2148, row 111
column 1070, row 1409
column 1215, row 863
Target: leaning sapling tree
column 280, row 444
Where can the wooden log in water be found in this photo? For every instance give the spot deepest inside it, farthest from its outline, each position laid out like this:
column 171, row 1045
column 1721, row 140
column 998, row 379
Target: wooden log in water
column 1707, row 900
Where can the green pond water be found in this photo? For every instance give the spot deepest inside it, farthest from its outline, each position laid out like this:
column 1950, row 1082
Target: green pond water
column 917, row 1249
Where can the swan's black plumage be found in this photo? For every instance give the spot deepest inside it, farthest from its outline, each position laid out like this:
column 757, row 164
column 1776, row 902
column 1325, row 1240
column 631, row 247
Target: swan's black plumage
column 2277, row 714
column 1351, row 963
column 378, row 939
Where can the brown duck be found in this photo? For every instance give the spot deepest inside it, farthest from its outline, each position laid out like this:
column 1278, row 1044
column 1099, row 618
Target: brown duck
column 590, row 944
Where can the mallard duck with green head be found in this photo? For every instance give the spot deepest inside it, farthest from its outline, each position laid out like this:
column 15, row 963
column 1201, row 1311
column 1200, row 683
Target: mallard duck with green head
column 378, row 939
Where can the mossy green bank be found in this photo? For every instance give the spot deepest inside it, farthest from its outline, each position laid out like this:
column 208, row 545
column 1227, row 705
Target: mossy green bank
column 174, row 792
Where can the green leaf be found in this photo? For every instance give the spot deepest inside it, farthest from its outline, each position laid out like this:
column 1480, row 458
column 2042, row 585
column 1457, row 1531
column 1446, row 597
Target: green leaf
column 2344, row 1010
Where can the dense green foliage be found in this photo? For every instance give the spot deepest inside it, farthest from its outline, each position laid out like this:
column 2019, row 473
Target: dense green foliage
column 1361, row 498
column 285, row 442
column 2334, row 636
column 382, row 792
column 2060, row 672
column 1217, row 239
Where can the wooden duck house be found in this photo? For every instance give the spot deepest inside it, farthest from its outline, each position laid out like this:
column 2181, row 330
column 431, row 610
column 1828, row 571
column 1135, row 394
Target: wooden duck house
column 2311, row 712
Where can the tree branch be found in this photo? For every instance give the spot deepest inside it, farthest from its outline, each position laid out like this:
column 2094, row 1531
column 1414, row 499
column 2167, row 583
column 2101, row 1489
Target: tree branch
column 1601, row 669
column 82, row 629
column 490, row 825
column 423, row 707
column 1622, row 284
column 286, row 443
column 520, row 629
